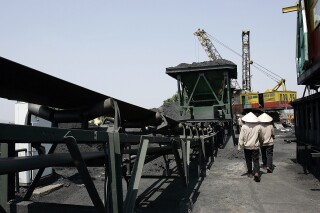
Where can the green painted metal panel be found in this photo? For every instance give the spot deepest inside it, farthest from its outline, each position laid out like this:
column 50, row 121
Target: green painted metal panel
column 302, row 54
column 84, row 173
column 115, row 175
column 206, row 86
column 3, row 180
column 215, row 79
column 25, row 134
column 136, row 177
column 203, row 112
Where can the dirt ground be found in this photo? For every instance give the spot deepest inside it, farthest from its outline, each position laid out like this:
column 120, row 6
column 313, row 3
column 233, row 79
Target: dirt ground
column 224, row 189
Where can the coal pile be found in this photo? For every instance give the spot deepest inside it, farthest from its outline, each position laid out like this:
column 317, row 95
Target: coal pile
column 204, row 64
column 172, row 110
column 62, row 148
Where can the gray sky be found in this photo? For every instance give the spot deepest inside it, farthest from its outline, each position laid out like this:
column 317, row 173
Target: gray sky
column 121, row 49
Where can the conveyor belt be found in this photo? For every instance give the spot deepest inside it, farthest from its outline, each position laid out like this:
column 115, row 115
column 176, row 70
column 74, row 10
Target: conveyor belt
column 19, row 82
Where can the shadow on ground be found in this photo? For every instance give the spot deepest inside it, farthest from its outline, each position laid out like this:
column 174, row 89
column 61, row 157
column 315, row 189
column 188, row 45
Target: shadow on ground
column 170, row 194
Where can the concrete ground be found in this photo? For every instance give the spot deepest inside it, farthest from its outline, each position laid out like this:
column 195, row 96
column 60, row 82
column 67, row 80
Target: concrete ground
column 287, row 189
column 224, row 189
column 227, row 189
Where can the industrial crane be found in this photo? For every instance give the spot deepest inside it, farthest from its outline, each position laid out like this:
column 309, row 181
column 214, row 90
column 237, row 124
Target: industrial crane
column 211, row 51
column 281, row 83
column 271, row 98
column 207, row 45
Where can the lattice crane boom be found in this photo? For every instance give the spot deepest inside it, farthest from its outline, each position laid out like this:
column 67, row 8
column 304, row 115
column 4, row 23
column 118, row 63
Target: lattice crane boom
column 207, row 45
column 211, row 51
column 246, row 73
column 213, row 55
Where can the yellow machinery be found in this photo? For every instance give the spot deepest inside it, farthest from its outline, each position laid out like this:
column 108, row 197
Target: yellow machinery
column 249, row 100
column 271, row 99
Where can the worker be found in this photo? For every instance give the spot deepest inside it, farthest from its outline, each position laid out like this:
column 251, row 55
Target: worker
column 249, row 141
column 239, row 120
column 267, row 132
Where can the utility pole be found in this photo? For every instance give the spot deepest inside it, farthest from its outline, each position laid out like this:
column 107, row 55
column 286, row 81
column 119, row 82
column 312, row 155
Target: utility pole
column 246, row 75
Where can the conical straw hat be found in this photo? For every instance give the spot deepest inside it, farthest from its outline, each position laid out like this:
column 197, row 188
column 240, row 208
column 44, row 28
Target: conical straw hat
column 265, row 118
column 251, row 118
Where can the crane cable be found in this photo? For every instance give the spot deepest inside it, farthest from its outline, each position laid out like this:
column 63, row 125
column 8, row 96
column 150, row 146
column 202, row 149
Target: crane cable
column 267, row 74
column 268, row 70
column 196, row 49
column 259, row 67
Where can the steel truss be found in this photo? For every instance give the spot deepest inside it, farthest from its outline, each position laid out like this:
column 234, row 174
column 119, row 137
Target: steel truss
column 246, row 74
column 113, row 160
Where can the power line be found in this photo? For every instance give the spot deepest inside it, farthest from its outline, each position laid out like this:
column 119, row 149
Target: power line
column 256, row 65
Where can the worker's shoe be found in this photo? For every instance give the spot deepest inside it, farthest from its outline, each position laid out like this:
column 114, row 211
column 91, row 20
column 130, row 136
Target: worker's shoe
column 250, row 175
column 257, row 177
column 263, row 166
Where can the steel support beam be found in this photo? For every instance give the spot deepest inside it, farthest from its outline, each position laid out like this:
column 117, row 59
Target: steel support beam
column 229, row 101
column 202, row 158
column 106, row 194
column 3, row 180
column 27, row 134
column 177, row 158
column 18, row 164
column 7, row 182
column 220, row 102
column 290, row 9
column 84, row 173
column 246, row 76
column 37, row 178
column 136, row 177
column 185, row 148
column 166, row 161
column 115, row 173
column 11, row 176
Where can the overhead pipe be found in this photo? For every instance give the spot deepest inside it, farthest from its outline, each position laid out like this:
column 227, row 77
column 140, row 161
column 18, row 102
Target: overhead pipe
column 110, row 119
column 41, row 111
column 105, row 107
column 153, row 121
column 189, row 131
column 102, row 108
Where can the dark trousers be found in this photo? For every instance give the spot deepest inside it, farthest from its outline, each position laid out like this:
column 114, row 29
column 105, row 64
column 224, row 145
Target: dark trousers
column 252, row 155
column 267, row 156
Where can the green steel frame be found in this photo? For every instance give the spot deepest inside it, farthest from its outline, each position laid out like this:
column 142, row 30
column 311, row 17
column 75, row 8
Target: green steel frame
column 11, row 134
column 204, row 89
column 212, row 102
column 205, row 93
